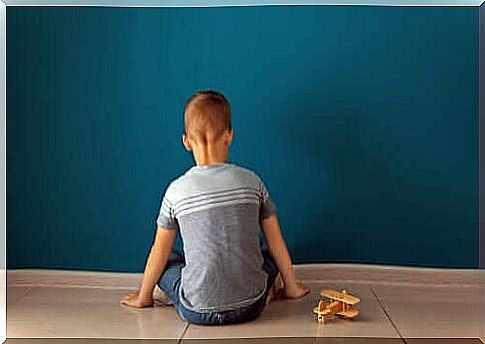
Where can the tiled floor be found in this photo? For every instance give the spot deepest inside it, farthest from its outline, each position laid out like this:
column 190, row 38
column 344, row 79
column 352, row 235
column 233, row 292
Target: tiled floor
column 294, row 318
column 390, row 312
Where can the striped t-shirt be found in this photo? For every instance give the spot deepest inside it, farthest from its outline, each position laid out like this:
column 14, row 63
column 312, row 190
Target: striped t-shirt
column 217, row 209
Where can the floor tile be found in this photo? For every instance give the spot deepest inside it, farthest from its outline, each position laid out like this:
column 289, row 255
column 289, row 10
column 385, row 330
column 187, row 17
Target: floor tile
column 69, row 278
column 279, row 340
column 90, row 313
column 297, row 340
column 265, row 340
column 359, row 340
column 86, row 341
column 419, row 312
column 294, row 318
column 391, row 275
column 15, row 293
column 482, row 305
column 432, row 311
column 443, row 341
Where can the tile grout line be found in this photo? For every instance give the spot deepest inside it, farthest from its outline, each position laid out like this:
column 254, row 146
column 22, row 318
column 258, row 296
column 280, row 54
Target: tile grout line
column 388, row 315
column 179, row 341
column 18, row 298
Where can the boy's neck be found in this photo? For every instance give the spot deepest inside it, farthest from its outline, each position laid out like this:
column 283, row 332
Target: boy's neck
column 211, row 153
column 207, row 159
column 211, row 163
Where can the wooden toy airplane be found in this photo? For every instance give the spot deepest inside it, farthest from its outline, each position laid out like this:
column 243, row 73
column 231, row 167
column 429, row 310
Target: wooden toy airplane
column 340, row 304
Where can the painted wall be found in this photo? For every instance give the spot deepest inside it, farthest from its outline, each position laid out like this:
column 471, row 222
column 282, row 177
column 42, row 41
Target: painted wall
column 362, row 121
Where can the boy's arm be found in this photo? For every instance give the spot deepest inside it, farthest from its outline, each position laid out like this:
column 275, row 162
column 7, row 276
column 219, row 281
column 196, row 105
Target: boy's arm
column 279, row 252
column 156, row 261
column 277, row 249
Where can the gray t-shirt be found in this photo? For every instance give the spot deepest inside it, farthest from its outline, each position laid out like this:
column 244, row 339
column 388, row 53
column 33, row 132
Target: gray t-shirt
column 217, row 209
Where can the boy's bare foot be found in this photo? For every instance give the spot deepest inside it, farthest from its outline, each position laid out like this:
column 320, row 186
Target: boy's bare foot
column 296, row 290
column 160, row 298
column 277, row 291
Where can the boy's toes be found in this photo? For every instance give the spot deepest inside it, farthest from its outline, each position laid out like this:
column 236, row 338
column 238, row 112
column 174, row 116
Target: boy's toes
column 160, row 298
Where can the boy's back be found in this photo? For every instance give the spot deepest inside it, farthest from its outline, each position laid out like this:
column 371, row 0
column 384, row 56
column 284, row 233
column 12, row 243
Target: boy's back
column 217, row 209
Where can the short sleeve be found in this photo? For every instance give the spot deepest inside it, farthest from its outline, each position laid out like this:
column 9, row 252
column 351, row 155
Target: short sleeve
column 166, row 216
column 267, row 207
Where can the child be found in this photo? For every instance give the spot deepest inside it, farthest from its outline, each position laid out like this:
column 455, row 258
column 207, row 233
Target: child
column 225, row 275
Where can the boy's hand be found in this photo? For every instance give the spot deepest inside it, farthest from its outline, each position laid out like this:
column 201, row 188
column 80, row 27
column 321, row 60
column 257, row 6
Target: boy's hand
column 133, row 299
column 296, row 290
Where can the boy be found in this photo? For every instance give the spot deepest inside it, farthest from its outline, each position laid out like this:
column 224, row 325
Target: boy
column 224, row 276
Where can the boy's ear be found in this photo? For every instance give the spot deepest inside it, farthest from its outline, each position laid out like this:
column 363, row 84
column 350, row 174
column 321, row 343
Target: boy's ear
column 185, row 141
column 229, row 137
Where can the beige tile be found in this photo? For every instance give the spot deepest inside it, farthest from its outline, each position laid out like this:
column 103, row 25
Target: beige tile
column 66, row 278
column 296, row 340
column 87, row 312
column 482, row 305
column 76, row 311
column 294, row 318
column 276, row 340
column 388, row 275
column 265, row 340
column 86, row 341
column 359, row 340
column 432, row 311
column 15, row 293
column 443, row 341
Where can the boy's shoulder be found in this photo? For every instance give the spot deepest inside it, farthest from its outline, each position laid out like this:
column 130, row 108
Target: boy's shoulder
column 245, row 171
column 191, row 182
column 232, row 168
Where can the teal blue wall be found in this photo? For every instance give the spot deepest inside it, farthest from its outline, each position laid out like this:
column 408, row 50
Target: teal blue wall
column 362, row 121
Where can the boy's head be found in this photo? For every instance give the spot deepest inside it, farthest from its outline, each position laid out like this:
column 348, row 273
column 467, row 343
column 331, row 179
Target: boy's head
column 207, row 119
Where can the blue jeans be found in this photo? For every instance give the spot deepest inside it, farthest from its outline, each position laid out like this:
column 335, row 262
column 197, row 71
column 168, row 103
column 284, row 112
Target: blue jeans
column 170, row 284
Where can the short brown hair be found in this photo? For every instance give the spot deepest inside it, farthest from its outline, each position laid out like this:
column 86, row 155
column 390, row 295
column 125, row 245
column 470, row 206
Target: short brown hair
column 207, row 116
